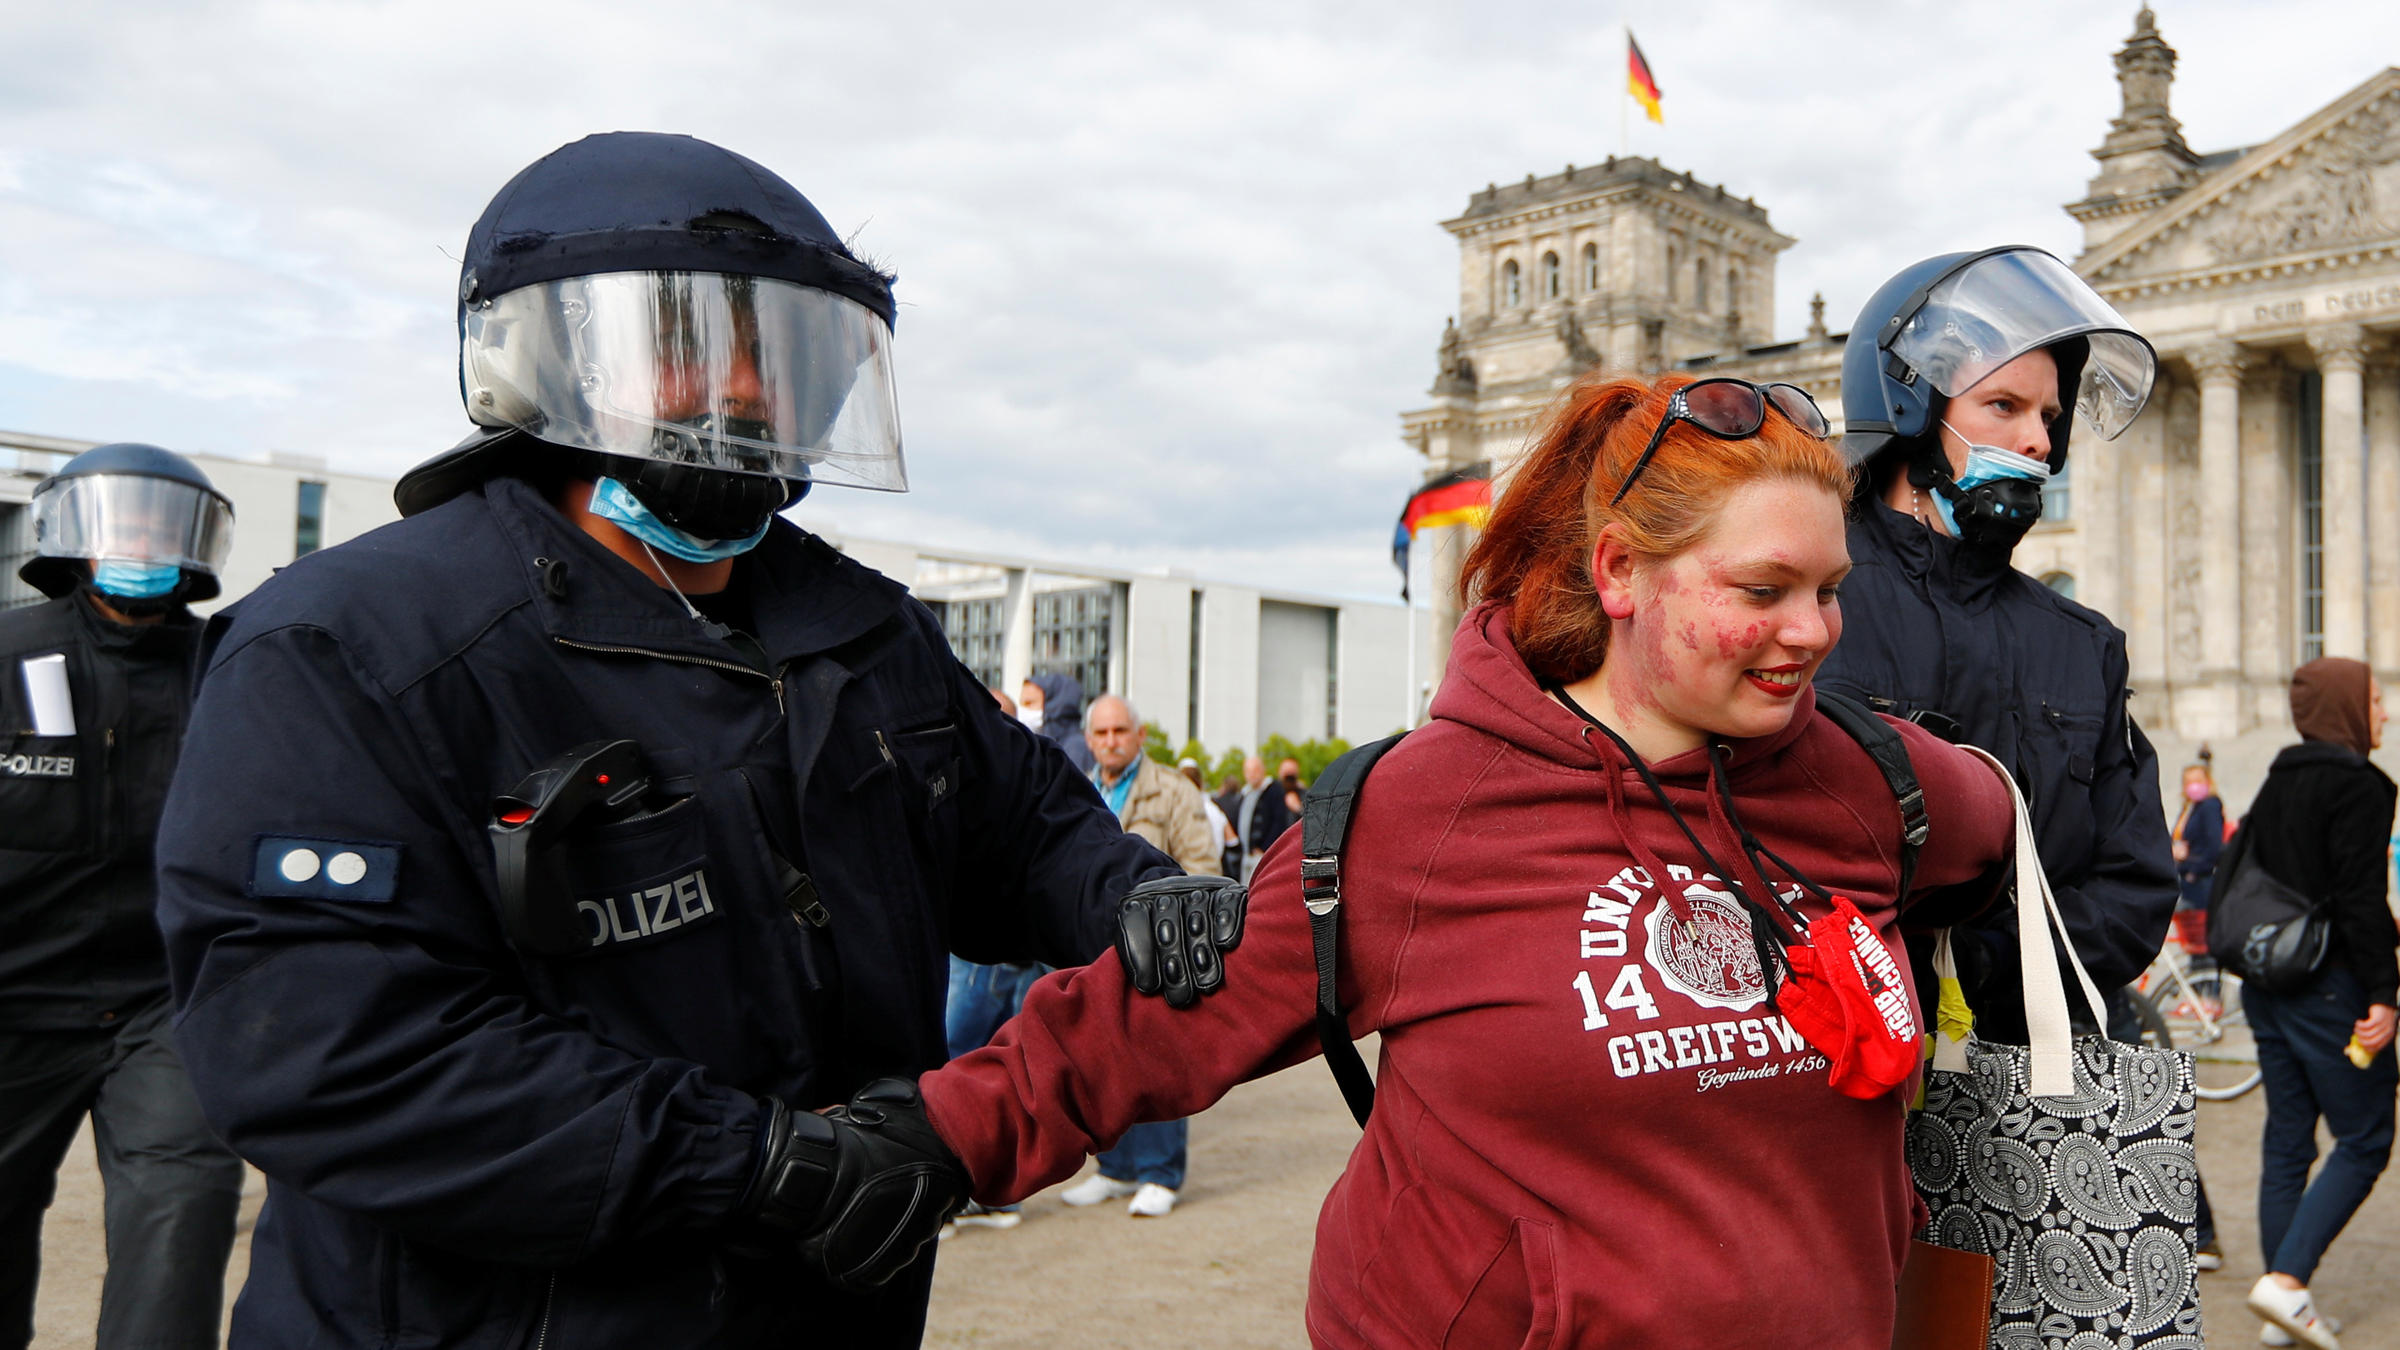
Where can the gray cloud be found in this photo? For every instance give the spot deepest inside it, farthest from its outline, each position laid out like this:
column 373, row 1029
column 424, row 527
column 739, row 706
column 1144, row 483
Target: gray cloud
column 1167, row 276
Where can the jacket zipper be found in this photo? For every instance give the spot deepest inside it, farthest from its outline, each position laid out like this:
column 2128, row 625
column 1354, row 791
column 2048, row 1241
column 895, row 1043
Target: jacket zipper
column 541, row 1335
column 886, row 747
column 774, row 681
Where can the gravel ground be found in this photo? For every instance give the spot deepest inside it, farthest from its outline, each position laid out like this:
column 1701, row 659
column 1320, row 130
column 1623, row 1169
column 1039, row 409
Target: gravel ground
column 1229, row 1268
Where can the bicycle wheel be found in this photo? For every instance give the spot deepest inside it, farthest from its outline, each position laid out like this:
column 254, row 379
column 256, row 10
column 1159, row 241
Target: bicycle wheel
column 2155, row 1032
column 2222, row 1069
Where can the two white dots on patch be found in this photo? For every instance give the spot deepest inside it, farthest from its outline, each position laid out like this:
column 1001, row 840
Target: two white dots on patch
column 342, row 869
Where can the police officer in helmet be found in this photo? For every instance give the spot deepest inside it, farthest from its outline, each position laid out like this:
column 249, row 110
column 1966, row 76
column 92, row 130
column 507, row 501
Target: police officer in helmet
column 545, row 861
column 1961, row 384
column 94, row 686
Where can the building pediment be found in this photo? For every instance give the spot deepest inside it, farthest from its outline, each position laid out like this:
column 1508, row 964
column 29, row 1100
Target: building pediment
column 2328, row 186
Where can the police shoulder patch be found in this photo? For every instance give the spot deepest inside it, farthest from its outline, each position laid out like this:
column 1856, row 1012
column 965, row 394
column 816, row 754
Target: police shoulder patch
column 294, row 868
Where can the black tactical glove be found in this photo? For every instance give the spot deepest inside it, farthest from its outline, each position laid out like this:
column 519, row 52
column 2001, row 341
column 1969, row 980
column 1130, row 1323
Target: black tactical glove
column 1173, row 933
column 865, row 1185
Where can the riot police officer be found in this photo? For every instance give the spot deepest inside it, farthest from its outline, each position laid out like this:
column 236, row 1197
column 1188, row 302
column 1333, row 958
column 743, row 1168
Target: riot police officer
column 94, row 687
column 1960, row 384
column 543, row 859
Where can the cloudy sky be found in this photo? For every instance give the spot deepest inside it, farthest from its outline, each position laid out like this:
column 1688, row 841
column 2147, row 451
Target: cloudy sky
column 1168, row 274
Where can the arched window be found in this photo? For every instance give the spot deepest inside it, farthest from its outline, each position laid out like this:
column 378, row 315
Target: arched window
column 1700, row 284
column 2061, row 582
column 1512, row 287
column 1591, row 267
column 1733, row 288
column 1552, row 285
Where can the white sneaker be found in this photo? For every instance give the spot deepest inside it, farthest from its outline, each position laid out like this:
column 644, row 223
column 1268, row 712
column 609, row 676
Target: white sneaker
column 976, row 1216
column 1096, row 1189
column 2271, row 1334
column 1152, row 1201
column 2294, row 1311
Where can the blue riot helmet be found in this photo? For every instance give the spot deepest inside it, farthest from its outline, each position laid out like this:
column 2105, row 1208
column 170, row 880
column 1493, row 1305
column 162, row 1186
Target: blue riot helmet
column 1943, row 324
column 146, row 526
column 661, row 311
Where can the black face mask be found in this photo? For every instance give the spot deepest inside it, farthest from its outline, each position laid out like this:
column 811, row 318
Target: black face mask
column 707, row 503
column 139, row 606
column 1991, row 516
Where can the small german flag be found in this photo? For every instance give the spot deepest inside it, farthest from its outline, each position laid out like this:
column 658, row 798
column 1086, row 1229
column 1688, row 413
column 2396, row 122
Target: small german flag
column 1460, row 497
column 1638, row 82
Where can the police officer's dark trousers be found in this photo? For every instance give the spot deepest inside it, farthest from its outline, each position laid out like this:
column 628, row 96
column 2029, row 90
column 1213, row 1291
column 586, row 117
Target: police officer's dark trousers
column 171, row 1187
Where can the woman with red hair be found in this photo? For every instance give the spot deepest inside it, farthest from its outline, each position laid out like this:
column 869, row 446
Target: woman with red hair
column 1634, row 1090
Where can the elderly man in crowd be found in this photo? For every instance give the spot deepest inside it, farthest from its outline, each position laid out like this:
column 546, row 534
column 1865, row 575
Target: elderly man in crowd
column 1164, row 808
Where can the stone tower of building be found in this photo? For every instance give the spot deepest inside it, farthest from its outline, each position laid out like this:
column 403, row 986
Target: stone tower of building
column 2144, row 163
column 1626, row 265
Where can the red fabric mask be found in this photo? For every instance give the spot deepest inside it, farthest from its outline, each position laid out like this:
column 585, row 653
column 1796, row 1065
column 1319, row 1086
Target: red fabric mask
column 1847, row 998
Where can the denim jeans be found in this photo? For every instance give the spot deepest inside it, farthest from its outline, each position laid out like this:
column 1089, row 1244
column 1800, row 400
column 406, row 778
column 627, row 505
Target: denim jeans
column 2300, row 1040
column 1153, row 1152
column 981, row 998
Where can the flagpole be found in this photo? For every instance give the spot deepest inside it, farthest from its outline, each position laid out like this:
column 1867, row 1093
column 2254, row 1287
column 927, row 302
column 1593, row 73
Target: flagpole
column 1625, row 96
column 1409, row 722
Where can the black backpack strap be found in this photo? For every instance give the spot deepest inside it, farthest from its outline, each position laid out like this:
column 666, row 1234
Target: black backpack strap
column 1324, row 829
column 1890, row 753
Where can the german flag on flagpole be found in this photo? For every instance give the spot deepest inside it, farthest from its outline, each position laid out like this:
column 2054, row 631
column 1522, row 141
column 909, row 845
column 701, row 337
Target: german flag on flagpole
column 1638, row 82
column 1460, row 497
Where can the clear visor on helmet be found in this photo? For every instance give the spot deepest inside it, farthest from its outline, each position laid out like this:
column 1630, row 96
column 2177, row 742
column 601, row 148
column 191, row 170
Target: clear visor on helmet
column 722, row 372
column 132, row 519
column 2000, row 307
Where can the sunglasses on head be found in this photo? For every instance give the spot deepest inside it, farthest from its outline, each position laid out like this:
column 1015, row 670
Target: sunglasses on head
column 1730, row 410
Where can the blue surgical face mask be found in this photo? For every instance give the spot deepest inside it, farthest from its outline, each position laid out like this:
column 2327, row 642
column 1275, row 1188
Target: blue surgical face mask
column 135, row 581
column 612, row 501
column 1986, row 463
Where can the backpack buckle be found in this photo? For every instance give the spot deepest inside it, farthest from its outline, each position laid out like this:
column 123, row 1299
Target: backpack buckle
column 1321, row 884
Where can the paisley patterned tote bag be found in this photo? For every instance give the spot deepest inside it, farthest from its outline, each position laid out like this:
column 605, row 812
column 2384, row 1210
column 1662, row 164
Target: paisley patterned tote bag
column 2069, row 1162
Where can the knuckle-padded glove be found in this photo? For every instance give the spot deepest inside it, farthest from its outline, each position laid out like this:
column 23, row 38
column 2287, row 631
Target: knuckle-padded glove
column 865, row 1185
column 1173, row 933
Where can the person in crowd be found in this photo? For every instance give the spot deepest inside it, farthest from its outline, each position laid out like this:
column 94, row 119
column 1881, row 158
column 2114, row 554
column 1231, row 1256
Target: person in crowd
column 1051, row 704
column 1588, row 908
column 1148, row 1164
column 94, row 690
column 1261, row 816
column 540, row 863
column 1288, row 774
column 1220, row 827
column 1959, row 388
column 2197, row 839
column 1229, row 794
column 2321, row 824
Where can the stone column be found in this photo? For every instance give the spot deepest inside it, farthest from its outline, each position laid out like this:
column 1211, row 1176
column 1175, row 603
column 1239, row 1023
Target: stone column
column 2142, row 468
column 2219, row 368
column 2341, row 356
column 2383, row 512
column 2266, row 549
column 1016, row 631
column 2098, row 466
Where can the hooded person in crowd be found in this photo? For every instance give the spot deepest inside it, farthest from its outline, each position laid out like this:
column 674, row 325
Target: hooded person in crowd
column 2321, row 824
column 1051, row 704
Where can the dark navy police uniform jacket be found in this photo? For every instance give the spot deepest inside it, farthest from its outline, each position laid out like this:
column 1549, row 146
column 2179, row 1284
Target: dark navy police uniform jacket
column 2041, row 683
column 470, row 1147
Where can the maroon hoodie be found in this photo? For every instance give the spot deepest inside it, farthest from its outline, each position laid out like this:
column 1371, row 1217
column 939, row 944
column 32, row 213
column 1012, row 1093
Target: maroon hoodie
column 1589, row 1129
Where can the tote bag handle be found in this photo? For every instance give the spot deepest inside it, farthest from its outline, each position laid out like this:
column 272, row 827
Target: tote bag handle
column 2051, row 1037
